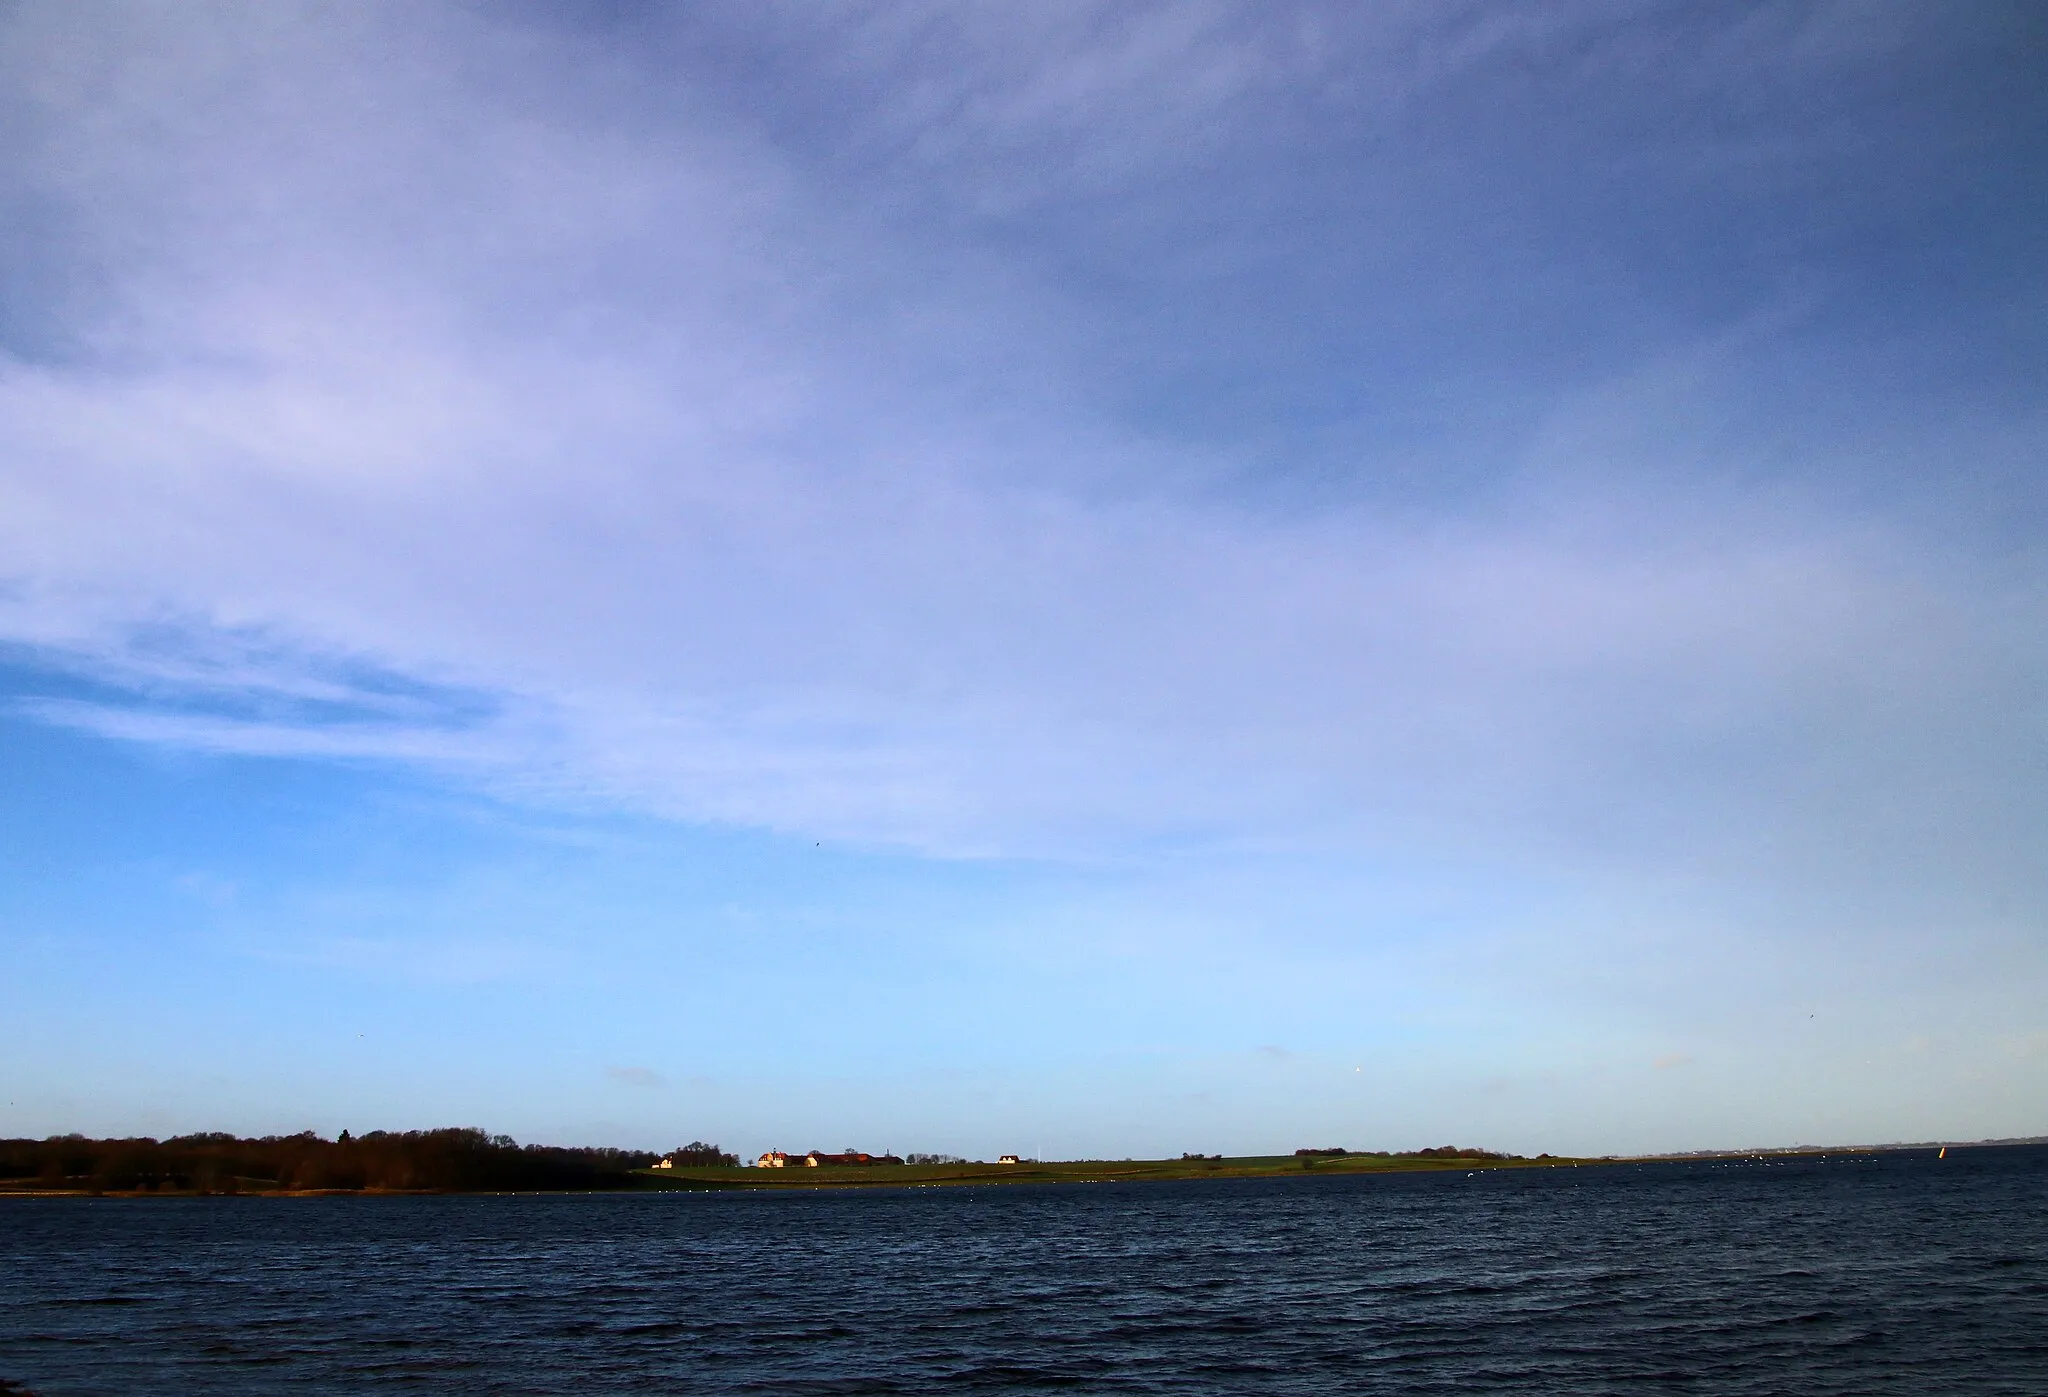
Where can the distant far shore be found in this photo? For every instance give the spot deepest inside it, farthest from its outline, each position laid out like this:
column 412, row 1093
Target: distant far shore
column 465, row 1162
column 1303, row 1164
column 1091, row 1171
column 734, row 1177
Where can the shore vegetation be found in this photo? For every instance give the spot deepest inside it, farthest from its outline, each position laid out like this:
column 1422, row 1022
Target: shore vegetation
column 452, row 1160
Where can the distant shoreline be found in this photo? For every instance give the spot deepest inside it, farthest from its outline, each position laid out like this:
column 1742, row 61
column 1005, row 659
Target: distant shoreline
column 729, row 1178
column 1077, row 1171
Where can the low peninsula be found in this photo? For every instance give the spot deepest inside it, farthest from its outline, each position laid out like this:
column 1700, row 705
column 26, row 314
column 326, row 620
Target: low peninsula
column 472, row 1161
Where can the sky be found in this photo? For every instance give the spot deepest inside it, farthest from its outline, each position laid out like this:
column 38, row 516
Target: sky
column 1086, row 579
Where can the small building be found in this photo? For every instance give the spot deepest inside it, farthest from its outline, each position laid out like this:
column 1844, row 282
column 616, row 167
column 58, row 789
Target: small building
column 1007, row 1159
column 667, row 1161
column 773, row 1159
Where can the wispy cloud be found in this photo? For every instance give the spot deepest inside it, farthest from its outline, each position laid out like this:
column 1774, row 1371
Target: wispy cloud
column 672, row 462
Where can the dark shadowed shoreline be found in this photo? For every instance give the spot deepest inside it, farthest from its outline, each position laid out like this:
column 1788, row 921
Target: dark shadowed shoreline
column 470, row 1161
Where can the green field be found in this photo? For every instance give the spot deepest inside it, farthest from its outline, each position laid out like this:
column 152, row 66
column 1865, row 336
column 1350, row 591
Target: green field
column 1085, row 1171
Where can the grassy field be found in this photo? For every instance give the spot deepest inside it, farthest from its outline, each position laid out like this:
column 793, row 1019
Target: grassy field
column 1086, row 1171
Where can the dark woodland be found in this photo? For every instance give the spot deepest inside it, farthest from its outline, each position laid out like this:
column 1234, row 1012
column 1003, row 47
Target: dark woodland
column 432, row 1160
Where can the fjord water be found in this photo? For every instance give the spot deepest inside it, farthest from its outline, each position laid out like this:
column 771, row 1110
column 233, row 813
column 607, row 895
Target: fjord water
column 1845, row 1274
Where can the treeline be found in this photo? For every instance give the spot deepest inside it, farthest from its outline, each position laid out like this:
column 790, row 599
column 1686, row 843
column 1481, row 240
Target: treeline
column 1453, row 1152
column 1439, row 1152
column 451, row 1160
column 701, row 1154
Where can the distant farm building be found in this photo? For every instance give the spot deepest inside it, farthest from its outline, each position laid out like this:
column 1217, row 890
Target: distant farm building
column 776, row 1159
column 1007, row 1159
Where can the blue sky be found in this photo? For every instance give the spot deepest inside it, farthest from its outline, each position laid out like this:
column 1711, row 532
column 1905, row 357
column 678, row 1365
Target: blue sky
column 1106, row 579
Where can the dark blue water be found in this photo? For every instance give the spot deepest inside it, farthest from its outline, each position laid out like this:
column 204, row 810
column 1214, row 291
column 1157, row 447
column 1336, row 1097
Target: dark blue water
column 1847, row 1275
